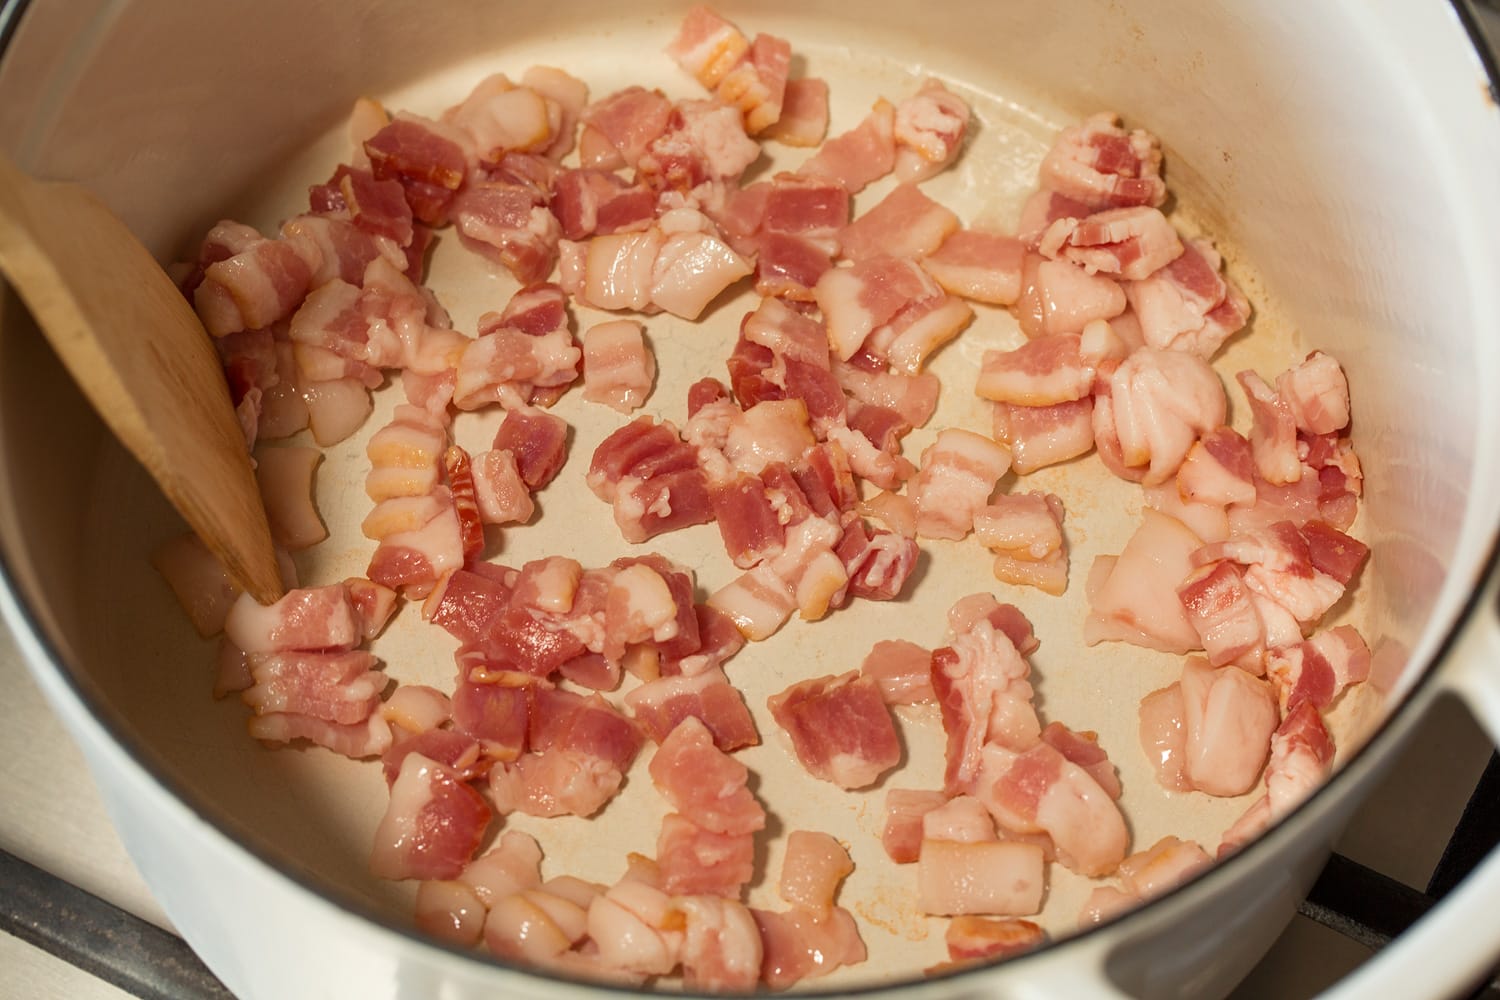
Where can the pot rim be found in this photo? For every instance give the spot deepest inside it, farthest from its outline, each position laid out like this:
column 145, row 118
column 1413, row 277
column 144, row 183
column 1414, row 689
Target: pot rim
column 1381, row 743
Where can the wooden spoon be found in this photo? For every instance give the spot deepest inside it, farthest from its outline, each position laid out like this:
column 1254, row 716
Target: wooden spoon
column 140, row 355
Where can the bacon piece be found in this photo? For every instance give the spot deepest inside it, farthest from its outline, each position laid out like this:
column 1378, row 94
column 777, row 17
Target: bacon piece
column 962, row 819
column 315, row 619
column 1304, row 570
column 499, row 490
column 904, row 811
column 703, row 782
column 1187, row 305
column 1318, row 669
column 1209, row 522
column 450, row 911
column 506, row 366
column 1058, row 296
column 590, row 202
column 691, row 270
column 538, row 441
column 1317, row 394
column 430, row 159
column 860, row 156
column 257, row 286
column 1041, row 372
column 198, row 581
column 929, row 129
column 1162, row 736
column 496, row 711
column 803, row 944
column 1040, row 790
column 1155, row 406
column 747, row 519
column 382, row 227
column 1228, row 718
column 902, row 669
column 618, row 367
column 978, row 265
column 433, row 825
column 840, row 728
column 1273, row 438
column 1221, row 611
column 1129, row 243
column 811, row 870
column 960, row 470
column 980, row 679
column 343, row 688
column 788, row 267
column 707, row 46
column 857, row 300
column 359, row 741
column 877, row 563
column 417, row 708
column 1101, row 165
column 1043, row 208
column 659, row 706
column 556, row 783
column 703, row 149
column 721, row 949
column 336, row 408
column 1218, row 469
column 757, row 601
column 967, row 613
column 695, row 861
column 995, row 877
column 1145, row 875
column 414, row 560
column 460, row 474
column 618, row 128
column 905, row 223
column 1025, row 533
column 972, row 938
column 1302, row 755
column 461, row 754
column 1039, row 436
column 1134, row 598
column 757, row 83
column 804, row 114
column 1083, row 749
column 506, row 223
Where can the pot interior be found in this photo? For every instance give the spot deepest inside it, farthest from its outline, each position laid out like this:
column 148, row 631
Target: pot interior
column 1273, row 140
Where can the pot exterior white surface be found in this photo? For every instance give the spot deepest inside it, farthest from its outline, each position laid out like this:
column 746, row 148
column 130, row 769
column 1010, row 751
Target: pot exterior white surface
column 1405, row 298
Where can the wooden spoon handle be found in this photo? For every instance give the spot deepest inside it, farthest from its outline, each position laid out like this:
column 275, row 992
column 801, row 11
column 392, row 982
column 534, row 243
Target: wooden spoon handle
column 137, row 350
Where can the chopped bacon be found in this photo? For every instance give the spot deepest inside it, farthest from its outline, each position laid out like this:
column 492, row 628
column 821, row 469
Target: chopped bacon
column 1039, row 436
column 929, row 130
column 1152, row 408
column 660, row 705
column 962, row 819
column 839, row 727
column 1041, row 372
column 1221, row 611
column 1302, row 754
column 508, row 224
column 1144, row 875
column 860, row 156
column 1228, row 718
column 960, row 470
column 261, row 284
column 1162, row 736
column 1303, row 570
column 905, row 223
column 450, row 911
column 704, row 783
column 902, row 669
column 1101, row 165
column 537, row 439
column 1209, row 522
column 978, row 265
column 804, row 114
column 1043, row 208
column 430, row 159
column 461, row 754
column 707, row 46
column 433, row 826
column 976, row 939
column 1040, row 790
column 1187, row 305
column 618, row 128
column 1133, row 598
column 811, row 870
column 877, row 563
column 1083, row 749
column 652, row 479
column 1218, row 469
column 1273, row 438
column 1318, row 669
column 680, row 269
column 904, row 811
column 989, row 877
column 414, row 560
column 1025, row 533
column 591, row 202
column 499, row 489
column 316, row 619
column 1130, row 243
column 460, row 474
column 346, row 249
column 980, row 679
column 618, row 367
column 1058, row 296
column 855, row 301
column 361, row 740
column 721, row 948
column 417, row 708
column 804, row 944
column 336, row 687
column 757, row 83
column 1317, row 394
column 696, row 861
column 496, row 711
column 504, row 365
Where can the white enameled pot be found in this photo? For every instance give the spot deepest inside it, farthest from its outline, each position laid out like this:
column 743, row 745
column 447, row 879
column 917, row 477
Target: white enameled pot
column 1345, row 153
